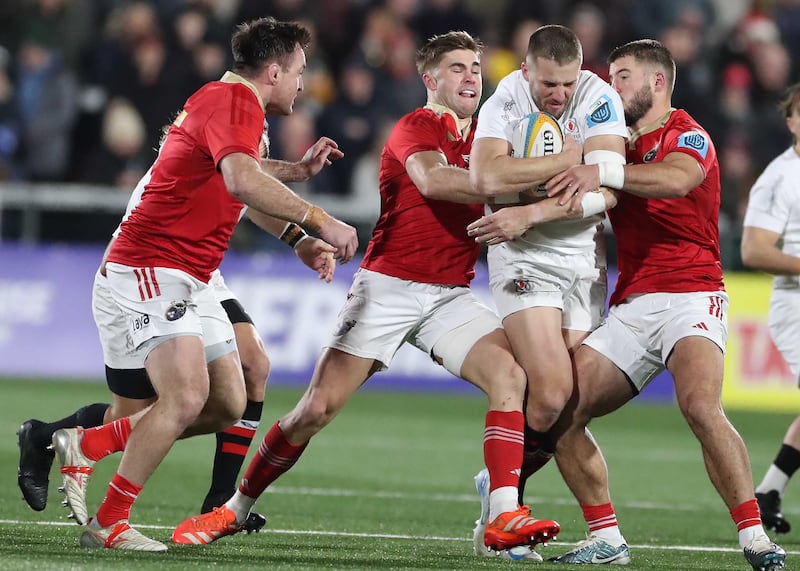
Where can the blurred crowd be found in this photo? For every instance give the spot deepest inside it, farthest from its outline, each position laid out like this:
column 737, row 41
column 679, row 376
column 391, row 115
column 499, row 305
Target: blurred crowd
column 86, row 85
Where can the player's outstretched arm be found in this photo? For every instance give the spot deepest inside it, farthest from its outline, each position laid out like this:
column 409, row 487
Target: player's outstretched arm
column 245, row 180
column 319, row 155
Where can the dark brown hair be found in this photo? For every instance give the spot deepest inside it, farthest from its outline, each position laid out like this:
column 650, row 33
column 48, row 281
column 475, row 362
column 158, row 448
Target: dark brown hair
column 650, row 52
column 265, row 40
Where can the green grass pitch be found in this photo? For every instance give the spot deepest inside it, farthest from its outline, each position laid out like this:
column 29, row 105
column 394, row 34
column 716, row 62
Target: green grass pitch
column 389, row 486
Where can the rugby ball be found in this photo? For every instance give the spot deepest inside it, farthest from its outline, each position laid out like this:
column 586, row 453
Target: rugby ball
column 535, row 135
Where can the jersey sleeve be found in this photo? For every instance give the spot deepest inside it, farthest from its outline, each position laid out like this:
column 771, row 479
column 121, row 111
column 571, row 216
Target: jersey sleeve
column 415, row 133
column 769, row 203
column 603, row 113
column 235, row 126
column 693, row 141
column 498, row 115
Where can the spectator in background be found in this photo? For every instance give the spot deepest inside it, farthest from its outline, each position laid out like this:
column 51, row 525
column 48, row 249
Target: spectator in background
column 771, row 66
column 365, row 203
column 787, row 17
column 440, row 16
column 47, row 106
column 649, row 18
column 9, row 135
column 65, row 24
column 351, row 120
column 122, row 158
column 589, row 24
column 771, row 243
column 499, row 62
column 694, row 86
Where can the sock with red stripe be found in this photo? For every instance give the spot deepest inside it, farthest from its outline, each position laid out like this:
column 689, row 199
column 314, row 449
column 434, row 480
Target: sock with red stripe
column 101, row 441
column 502, row 452
column 119, row 499
column 232, row 446
column 602, row 522
column 747, row 518
column 274, row 457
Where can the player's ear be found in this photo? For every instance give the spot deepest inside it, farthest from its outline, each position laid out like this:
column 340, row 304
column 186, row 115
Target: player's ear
column 660, row 80
column 429, row 81
column 273, row 72
column 524, row 67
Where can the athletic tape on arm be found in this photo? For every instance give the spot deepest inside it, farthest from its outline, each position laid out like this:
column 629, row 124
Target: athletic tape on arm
column 611, row 166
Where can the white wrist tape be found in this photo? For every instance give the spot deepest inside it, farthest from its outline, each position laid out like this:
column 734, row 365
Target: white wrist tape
column 612, row 175
column 593, row 203
column 611, row 167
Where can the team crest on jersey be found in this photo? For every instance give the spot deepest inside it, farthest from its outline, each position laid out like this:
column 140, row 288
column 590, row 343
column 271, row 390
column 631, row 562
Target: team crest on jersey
column 175, row 311
column 694, row 140
column 466, row 158
column 601, row 112
column 650, row 155
column 571, row 126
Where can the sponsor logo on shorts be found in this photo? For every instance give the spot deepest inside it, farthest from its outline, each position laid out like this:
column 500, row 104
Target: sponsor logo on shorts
column 522, row 286
column 175, row 311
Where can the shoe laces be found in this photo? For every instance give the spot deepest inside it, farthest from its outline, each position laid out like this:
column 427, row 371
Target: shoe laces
column 216, row 518
column 591, row 539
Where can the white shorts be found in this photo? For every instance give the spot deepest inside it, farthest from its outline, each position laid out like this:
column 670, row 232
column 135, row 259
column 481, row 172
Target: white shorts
column 639, row 334
column 112, row 327
column 221, row 290
column 383, row 312
column 161, row 303
column 784, row 326
column 524, row 277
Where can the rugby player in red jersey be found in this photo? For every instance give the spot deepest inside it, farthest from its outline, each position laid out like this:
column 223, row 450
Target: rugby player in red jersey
column 668, row 310
column 413, row 286
column 159, row 267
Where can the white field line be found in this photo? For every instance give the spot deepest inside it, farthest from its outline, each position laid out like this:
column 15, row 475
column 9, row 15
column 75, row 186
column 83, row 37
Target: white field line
column 396, row 536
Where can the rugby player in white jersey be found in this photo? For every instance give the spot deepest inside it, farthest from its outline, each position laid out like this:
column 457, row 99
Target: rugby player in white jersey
column 771, row 243
column 549, row 284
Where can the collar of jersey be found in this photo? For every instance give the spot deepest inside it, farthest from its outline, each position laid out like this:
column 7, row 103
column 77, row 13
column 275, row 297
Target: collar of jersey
column 231, row 77
column 442, row 110
column 654, row 126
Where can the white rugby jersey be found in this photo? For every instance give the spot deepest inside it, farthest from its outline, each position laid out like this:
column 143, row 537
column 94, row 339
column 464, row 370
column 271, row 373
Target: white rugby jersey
column 594, row 109
column 773, row 206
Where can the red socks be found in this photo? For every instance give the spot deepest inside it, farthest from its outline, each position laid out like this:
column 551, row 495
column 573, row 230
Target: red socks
column 502, row 447
column 274, row 457
column 103, row 440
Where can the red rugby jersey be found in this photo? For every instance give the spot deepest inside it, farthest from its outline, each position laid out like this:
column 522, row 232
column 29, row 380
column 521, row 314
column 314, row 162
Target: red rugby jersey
column 186, row 215
column 417, row 238
column 670, row 245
